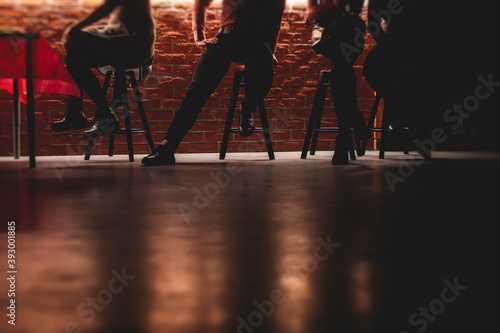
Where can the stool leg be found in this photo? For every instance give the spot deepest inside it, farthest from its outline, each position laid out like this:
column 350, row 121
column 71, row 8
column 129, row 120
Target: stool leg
column 265, row 128
column 89, row 148
column 371, row 121
column 111, row 148
column 352, row 152
column 312, row 118
column 238, row 76
column 107, row 78
column 126, row 110
column 321, row 106
column 105, row 88
column 142, row 112
column 384, row 133
column 407, row 148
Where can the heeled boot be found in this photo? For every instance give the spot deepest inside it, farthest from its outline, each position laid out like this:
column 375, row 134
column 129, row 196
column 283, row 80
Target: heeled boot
column 74, row 118
column 341, row 155
column 106, row 122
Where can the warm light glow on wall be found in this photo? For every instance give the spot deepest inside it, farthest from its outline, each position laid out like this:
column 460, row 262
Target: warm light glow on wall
column 172, row 3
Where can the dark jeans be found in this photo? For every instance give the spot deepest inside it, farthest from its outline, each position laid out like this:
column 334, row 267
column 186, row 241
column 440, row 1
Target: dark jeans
column 344, row 50
column 90, row 49
column 399, row 73
column 214, row 62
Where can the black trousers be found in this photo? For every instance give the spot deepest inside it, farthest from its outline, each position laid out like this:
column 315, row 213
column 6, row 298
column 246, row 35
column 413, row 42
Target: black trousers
column 214, row 62
column 92, row 49
column 344, row 49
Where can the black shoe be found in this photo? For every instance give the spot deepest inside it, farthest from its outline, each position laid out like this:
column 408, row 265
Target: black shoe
column 246, row 124
column 72, row 119
column 162, row 155
column 106, row 123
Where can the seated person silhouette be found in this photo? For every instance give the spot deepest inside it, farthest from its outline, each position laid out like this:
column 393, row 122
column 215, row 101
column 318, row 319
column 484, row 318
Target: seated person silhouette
column 248, row 34
column 401, row 67
column 126, row 42
column 339, row 25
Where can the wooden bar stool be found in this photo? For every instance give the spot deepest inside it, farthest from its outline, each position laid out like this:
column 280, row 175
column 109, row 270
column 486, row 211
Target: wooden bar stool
column 314, row 125
column 237, row 84
column 122, row 80
column 385, row 130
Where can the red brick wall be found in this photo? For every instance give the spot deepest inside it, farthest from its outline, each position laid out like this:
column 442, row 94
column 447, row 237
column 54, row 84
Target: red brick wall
column 289, row 102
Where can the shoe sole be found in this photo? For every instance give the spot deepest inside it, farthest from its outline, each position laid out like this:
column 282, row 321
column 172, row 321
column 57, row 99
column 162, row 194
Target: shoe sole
column 70, row 128
column 150, row 164
column 98, row 133
column 245, row 134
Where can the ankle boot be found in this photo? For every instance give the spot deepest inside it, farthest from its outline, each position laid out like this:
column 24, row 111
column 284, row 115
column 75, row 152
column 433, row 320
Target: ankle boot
column 246, row 123
column 106, row 122
column 74, row 118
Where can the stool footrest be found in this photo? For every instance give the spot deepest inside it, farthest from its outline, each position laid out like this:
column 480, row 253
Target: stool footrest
column 132, row 130
column 326, row 130
column 238, row 83
column 257, row 130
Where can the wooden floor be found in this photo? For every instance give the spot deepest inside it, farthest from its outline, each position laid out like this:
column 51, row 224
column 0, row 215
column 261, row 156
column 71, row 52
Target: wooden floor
column 251, row 245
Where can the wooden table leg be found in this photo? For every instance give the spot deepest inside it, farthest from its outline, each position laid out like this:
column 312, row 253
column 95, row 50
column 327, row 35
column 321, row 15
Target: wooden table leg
column 17, row 121
column 30, row 102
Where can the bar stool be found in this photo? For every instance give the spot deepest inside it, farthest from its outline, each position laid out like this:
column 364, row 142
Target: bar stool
column 385, row 130
column 124, row 79
column 237, row 84
column 314, row 126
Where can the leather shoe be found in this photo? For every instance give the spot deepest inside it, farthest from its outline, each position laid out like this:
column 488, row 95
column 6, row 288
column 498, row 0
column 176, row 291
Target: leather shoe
column 160, row 156
column 246, row 124
column 107, row 123
column 72, row 119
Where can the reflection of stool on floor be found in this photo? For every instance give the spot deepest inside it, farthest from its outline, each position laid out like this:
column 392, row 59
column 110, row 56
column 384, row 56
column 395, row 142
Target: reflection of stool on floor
column 385, row 129
column 123, row 80
column 237, row 84
column 314, row 126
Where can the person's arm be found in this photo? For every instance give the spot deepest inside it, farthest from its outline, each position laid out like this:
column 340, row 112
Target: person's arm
column 199, row 13
column 317, row 7
column 375, row 6
column 100, row 12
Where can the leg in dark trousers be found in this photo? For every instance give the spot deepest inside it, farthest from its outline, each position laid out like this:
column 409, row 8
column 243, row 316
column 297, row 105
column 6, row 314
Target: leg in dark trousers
column 259, row 71
column 211, row 68
column 88, row 51
column 343, row 87
column 84, row 52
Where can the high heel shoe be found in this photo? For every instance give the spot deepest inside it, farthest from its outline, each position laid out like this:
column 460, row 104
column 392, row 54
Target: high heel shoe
column 362, row 134
column 341, row 155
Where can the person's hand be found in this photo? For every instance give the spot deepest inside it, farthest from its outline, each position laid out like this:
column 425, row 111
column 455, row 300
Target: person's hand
column 66, row 37
column 203, row 44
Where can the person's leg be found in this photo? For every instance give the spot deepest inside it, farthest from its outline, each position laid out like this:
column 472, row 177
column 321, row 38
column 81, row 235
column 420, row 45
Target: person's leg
column 210, row 69
column 74, row 117
column 258, row 59
column 343, row 88
column 89, row 51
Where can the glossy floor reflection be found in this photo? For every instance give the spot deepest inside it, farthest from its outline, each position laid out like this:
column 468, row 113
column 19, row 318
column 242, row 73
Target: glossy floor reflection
column 251, row 245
